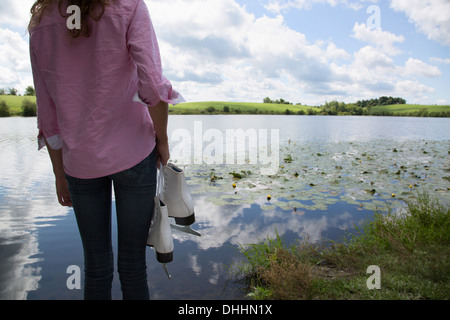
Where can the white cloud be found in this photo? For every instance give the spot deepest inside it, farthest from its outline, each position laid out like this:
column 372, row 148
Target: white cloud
column 431, row 17
column 440, row 60
column 280, row 5
column 229, row 52
column 251, row 58
column 415, row 89
column 373, row 73
column 418, row 67
column 218, row 50
column 15, row 13
column 15, row 70
column 383, row 40
column 335, row 53
column 370, row 59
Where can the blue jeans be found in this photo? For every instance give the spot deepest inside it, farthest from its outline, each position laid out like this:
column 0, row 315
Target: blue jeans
column 134, row 191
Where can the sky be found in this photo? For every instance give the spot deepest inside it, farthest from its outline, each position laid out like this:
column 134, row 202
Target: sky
column 304, row 51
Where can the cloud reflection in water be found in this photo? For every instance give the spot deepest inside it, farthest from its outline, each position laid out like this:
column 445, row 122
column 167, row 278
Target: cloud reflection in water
column 33, row 258
column 27, row 202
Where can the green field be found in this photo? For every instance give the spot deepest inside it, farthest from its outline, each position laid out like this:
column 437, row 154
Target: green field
column 218, row 107
column 404, row 108
column 14, row 104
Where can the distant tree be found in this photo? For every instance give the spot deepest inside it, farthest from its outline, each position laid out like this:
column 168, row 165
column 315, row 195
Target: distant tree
column 401, row 101
column 4, row 110
column 2, row 91
column 28, row 108
column 226, row 109
column 280, row 101
column 423, row 112
column 311, row 112
column 210, row 109
column 12, row 91
column 383, row 101
column 29, row 91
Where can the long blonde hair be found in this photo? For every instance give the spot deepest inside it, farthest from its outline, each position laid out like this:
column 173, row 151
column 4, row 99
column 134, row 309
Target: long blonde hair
column 87, row 8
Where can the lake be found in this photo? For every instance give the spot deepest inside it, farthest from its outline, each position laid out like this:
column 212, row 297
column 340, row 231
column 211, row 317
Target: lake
column 324, row 175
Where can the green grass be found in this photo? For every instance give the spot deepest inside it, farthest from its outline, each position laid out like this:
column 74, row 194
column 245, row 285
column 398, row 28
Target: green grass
column 217, row 107
column 411, row 249
column 14, row 103
column 404, row 108
column 220, row 107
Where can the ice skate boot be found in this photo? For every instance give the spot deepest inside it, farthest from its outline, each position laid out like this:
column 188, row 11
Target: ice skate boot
column 160, row 235
column 177, row 198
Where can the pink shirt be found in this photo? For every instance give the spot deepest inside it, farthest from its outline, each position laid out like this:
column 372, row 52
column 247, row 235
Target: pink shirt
column 87, row 89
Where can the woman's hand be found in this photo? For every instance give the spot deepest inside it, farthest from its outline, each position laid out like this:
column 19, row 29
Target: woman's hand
column 162, row 153
column 62, row 188
column 62, row 191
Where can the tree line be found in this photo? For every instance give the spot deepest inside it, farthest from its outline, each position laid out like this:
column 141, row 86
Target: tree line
column 382, row 101
column 280, row 101
column 359, row 108
column 29, row 91
column 28, row 108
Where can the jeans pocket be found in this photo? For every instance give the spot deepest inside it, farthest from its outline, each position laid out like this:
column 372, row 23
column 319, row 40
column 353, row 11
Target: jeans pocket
column 142, row 173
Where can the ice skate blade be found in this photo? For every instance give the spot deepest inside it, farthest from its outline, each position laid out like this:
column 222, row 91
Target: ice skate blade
column 186, row 229
column 164, row 265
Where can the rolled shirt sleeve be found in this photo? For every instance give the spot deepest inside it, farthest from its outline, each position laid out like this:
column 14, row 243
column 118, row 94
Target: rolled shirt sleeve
column 47, row 121
column 153, row 86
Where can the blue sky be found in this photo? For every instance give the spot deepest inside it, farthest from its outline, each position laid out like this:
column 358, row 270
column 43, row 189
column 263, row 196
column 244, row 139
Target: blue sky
column 307, row 51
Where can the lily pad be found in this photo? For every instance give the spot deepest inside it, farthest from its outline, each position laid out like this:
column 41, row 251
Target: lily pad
column 354, row 172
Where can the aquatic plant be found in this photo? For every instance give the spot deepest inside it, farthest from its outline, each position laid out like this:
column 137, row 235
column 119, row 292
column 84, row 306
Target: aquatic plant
column 357, row 173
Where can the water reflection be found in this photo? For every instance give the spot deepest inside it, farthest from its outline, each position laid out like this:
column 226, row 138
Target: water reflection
column 16, row 275
column 39, row 239
column 248, row 223
column 201, row 263
column 26, row 204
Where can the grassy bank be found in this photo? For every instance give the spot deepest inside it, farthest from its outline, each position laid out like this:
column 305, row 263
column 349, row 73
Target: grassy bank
column 217, row 107
column 13, row 106
column 412, row 109
column 404, row 108
column 411, row 249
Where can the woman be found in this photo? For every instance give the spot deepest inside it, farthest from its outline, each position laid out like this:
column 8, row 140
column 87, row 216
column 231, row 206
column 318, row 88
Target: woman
column 102, row 113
